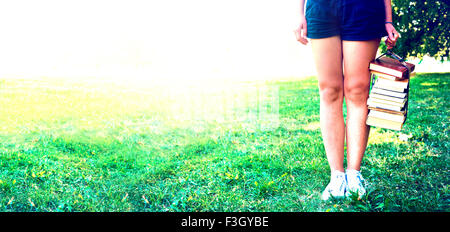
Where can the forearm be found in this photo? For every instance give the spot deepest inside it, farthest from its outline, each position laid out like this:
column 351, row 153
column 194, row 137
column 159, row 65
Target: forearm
column 302, row 7
column 388, row 9
column 393, row 35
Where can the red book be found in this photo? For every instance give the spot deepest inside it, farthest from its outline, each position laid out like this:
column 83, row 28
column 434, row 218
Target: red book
column 392, row 67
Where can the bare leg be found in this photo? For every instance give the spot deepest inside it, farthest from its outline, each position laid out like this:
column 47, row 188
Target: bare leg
column 357, row 56
column 328, row 59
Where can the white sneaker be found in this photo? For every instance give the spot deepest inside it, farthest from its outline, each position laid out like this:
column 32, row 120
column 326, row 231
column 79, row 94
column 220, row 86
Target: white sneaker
column 337, row 186
column 355, row 183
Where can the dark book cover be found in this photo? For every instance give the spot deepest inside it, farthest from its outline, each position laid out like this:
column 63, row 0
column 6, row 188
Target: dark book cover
column 392, row 67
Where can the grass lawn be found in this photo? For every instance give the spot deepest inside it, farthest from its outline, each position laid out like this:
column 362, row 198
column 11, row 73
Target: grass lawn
column 86, row 145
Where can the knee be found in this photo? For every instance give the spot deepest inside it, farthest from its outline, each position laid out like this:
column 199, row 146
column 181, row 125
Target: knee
column 356, row 92
column 330, row 93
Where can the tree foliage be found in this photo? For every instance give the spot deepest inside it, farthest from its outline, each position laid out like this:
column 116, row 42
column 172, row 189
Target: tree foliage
column 424, row 27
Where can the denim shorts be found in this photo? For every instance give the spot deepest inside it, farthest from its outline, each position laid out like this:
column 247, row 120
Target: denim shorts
column 355, row 20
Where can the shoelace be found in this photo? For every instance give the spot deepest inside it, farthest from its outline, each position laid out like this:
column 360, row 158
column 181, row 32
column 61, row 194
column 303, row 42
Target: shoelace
column 338, row 180
column 354, row 181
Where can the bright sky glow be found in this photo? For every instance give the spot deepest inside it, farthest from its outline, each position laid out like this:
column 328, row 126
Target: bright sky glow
column 155, row 40
column 249, row 39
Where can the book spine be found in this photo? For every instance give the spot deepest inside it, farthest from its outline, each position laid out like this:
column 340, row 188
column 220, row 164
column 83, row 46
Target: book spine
column 372, row 103
column 387, row 98
column 381, row 101
column 387, row 116
column 385, row 70
column 373, row 122
column 388, row 93
column 384, row 76
column 394, row 84
column 386, row 111
column 388, row 87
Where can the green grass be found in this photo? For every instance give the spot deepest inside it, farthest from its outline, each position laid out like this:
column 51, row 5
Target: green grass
column 100, row 146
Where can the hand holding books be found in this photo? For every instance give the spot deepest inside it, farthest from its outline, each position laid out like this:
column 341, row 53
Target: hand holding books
column 393, row 35
column 390, row 43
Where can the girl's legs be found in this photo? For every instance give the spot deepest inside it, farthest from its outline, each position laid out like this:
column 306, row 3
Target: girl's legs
column 357, row 56
column 330, row 55
column 328, row 59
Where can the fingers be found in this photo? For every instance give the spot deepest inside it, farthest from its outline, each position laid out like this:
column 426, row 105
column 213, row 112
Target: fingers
column 389, row 43
column 301, row 33
column 396, row 35
column 302, row 40
column 393, row 35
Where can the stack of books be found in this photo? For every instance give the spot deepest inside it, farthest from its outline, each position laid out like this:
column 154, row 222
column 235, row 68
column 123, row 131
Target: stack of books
column 388, row 97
